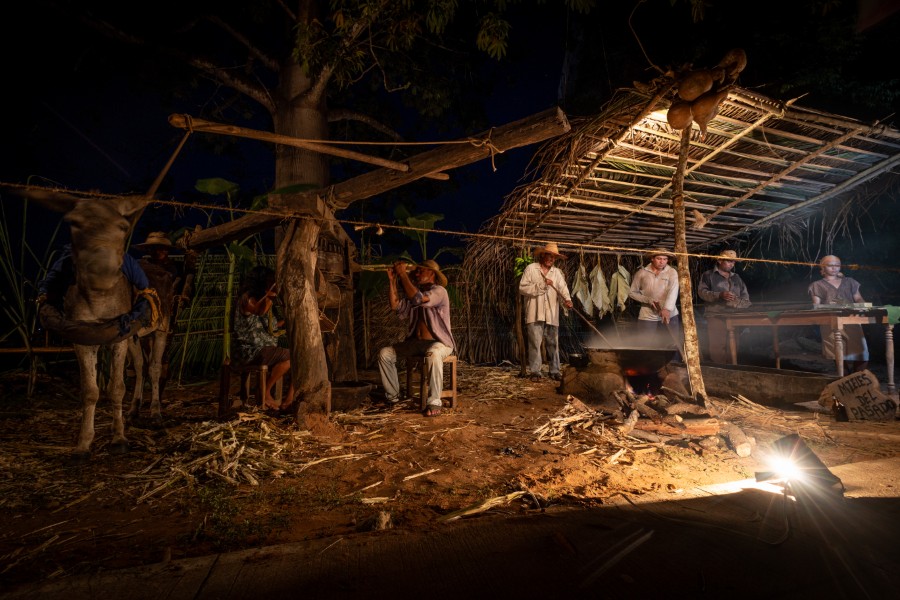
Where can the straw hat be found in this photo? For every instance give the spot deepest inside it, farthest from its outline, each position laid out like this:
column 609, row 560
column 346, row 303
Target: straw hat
column 659, row 252
column 550, row 248
column 727, row 255
column 439, row 277
column 158, row 239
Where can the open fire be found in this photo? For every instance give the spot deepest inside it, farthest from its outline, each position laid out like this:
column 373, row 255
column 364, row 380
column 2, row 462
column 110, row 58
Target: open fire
column 597, row 378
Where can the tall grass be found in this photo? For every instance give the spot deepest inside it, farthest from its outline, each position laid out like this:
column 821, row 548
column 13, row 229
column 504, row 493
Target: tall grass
column 21, row 268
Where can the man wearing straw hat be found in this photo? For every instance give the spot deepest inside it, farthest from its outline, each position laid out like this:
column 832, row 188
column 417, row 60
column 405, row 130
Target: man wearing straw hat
column 655, row 286
column 721, row 289
column 544, row 287
column 172, row 281
column 426, row 306
column 158, row 247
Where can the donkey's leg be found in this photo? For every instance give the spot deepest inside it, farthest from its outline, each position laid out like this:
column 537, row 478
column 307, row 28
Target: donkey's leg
column 116, row 394
column 90, row 392
column 157, row 349
column 137, row 361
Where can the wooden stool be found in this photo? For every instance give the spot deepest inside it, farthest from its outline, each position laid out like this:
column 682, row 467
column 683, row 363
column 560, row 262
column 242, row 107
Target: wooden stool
column 417, row 363
column 245, row 372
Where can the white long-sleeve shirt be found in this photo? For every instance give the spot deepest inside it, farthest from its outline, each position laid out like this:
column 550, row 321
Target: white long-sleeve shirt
column 648, row 286
column 541, row 300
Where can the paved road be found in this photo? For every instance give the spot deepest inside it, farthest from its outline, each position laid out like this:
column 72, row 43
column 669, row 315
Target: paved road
column 745, row 544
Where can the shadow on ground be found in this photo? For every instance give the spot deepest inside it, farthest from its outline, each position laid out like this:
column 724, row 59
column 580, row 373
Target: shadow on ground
column 747, row 544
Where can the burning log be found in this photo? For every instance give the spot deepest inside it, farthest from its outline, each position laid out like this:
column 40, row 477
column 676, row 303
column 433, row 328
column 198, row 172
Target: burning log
column 737, row 440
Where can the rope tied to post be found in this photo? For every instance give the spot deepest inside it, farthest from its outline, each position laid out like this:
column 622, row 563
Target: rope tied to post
column 489, row 144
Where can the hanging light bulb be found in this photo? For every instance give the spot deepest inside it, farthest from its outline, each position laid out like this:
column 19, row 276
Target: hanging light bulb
column 379, row 231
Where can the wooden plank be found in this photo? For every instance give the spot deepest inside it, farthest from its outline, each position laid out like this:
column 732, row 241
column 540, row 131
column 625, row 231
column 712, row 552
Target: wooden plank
column 698, row 427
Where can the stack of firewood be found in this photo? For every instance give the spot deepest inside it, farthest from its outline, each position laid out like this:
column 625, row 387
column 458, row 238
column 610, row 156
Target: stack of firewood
column 644, row 418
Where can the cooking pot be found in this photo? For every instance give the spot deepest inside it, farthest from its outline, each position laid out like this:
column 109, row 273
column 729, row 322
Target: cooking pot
column 638, row 361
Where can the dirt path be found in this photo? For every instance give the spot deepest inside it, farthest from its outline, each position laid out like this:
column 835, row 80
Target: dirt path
column 200, row 486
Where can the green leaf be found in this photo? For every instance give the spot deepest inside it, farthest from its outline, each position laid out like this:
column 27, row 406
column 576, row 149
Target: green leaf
column 424, row 220
column 216, row 186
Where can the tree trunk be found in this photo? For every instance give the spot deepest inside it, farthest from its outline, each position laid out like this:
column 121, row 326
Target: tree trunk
column 688, row 323
column 297, row 255
column 298, row 250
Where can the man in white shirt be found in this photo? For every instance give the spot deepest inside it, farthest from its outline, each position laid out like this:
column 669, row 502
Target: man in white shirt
column 655, row 286
column 544, row 287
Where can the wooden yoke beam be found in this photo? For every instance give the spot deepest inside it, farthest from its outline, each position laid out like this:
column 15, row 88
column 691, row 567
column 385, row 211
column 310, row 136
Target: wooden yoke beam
column 530, row 130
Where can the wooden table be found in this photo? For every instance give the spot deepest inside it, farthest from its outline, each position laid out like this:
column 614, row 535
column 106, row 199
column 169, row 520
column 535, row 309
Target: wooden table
column 834, row 317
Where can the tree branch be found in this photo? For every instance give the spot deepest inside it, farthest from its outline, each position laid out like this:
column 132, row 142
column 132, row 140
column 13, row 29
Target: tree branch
column 317, row 91
column 345, row 114
column 269, row 62
column 221, row 74
column 287, row 10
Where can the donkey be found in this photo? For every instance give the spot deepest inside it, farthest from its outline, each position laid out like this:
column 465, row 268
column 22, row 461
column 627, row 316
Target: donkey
column 96, row 306
column 164, row 284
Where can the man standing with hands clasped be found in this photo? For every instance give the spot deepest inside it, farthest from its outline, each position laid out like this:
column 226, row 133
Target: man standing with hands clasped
column 543, row 285
column 721, row 289
column 426, row 306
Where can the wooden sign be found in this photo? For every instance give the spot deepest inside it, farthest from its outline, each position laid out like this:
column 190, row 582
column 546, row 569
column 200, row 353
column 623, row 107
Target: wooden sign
column 859, row 396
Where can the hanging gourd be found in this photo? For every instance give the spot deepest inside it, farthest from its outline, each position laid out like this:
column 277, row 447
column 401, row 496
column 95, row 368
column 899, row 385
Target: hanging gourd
column 704, row 108
column 693, row 84
column 679, row 114
column 732, row 64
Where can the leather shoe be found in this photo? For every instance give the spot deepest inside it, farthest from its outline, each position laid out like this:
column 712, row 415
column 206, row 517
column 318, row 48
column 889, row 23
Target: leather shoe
column 556, row 376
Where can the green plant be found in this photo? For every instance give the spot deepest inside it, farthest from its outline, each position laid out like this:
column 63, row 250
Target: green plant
column 210, row 310
column 522, row 262
column 422, row 223
column 21, row 268
column 222, row 524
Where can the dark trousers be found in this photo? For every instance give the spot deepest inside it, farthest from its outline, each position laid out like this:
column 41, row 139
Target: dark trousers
column 653, row 334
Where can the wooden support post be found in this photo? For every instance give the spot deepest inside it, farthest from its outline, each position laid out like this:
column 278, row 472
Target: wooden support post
column 688, row 322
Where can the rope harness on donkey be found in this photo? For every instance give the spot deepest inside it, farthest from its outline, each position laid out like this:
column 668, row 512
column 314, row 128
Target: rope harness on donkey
column 144, row 314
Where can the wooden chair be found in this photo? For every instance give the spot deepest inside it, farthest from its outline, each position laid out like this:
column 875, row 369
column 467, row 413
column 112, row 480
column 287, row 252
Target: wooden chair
column 245, row 372
column 418, row 364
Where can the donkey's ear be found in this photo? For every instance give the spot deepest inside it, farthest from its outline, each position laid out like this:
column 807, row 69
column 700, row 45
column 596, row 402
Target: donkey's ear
column 131, row 207
column 54, row 200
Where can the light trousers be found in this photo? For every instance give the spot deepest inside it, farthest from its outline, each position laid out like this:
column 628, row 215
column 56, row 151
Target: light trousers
column 537, row 331
column 434, row 352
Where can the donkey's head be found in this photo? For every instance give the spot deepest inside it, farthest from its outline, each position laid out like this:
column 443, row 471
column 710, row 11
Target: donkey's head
column 100, row 229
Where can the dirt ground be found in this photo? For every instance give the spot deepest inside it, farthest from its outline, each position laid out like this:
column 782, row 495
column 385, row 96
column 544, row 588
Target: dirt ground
column 200, row 486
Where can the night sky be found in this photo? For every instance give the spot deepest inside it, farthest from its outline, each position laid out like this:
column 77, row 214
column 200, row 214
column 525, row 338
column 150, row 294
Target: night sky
column 85, row 114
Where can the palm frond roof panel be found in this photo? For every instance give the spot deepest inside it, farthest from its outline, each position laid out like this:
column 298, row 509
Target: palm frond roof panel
column 609, row 180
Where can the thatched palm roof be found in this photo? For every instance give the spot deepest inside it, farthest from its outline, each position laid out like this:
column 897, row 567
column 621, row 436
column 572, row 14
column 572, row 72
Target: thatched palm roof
column 603, row 192
column 608, row 182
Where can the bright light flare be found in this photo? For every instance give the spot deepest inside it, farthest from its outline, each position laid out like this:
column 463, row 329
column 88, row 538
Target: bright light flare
column 785, row 468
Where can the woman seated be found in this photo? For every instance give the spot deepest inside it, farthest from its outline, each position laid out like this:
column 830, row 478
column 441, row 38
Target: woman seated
column 254, row 341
